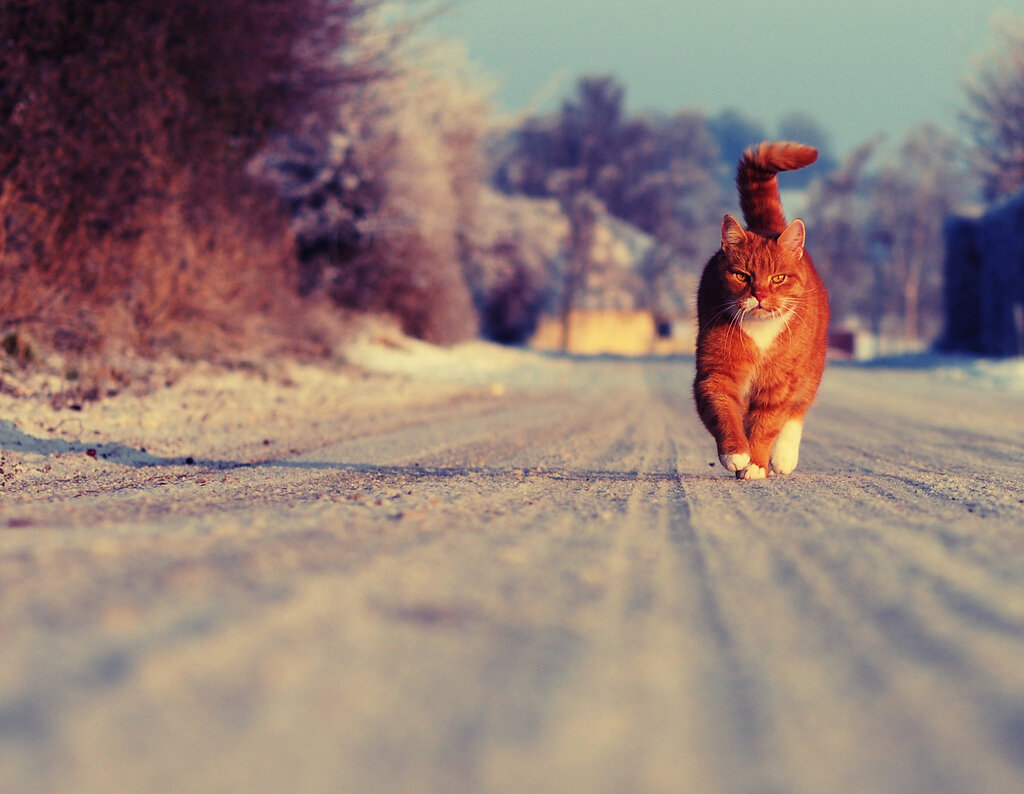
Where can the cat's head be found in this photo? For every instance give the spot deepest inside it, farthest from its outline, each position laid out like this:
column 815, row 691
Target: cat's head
column 763, row 276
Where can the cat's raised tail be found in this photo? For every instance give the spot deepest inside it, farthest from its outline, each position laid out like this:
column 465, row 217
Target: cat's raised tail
column 758, row 187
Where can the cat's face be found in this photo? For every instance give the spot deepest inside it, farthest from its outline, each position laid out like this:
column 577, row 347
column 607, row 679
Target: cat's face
column 764, row 278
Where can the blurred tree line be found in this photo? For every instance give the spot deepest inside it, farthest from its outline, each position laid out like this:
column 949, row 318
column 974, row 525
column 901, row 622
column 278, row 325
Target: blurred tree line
column 879, row 218
column 670, row 176
column 875, row 219
column 199, row 177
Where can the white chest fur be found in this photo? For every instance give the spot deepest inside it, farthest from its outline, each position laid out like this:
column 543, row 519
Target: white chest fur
column 762, row 332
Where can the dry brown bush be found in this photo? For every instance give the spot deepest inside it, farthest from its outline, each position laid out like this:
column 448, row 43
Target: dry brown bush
column 126, row 218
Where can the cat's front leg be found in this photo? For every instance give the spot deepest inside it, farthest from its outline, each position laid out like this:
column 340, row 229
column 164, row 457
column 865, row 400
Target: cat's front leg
column 786, row 451
column 764, row 423
column 721, row 409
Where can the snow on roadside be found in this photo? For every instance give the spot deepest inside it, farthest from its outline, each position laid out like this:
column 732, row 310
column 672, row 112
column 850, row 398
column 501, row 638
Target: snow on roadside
column 251, row 412
column 203, row 412
column 971, row 372
column 1001, row 375
column 990, row 374
column 475, row 363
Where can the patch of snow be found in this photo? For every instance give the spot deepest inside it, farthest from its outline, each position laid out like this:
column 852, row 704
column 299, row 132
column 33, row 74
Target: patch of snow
column 995, row 374
column 470, row 363
column 998, row 374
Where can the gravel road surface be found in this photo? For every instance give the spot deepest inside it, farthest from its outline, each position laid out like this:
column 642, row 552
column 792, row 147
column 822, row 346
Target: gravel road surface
column 543, row 583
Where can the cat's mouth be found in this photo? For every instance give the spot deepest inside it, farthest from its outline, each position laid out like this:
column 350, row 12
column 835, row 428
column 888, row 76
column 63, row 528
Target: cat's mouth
column 762, row 313
column 753, row 309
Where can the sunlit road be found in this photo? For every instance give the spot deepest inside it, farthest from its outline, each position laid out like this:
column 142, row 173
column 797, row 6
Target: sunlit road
column 550, row 589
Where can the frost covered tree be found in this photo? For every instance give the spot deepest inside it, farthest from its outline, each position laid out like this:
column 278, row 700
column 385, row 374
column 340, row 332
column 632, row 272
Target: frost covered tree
column 994, row 115
column 385, row 201
column 836, row 217
column 877, row 231
column 659, row 173
column 910, row 199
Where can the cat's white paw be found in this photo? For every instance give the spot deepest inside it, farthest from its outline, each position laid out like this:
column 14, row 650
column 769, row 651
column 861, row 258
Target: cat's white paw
column 787, row 447
column 735, row 461
column 753, row 472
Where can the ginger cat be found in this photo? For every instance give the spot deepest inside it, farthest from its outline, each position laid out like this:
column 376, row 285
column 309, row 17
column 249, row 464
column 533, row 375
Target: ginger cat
column 763, row 317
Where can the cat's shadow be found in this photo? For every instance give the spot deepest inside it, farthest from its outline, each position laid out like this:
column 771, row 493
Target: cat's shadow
column 14, row 439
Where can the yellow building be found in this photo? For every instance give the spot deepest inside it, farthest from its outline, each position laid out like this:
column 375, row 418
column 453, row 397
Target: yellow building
column 614, row 332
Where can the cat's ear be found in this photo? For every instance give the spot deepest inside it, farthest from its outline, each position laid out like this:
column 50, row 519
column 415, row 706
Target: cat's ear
column 732, row 232
column 793, row 238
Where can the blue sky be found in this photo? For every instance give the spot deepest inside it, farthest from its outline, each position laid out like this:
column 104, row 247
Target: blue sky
column 858, row 66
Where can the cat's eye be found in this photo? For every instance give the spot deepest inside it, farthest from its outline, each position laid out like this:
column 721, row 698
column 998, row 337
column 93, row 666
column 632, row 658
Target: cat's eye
column 739, row 275
column 779, row 278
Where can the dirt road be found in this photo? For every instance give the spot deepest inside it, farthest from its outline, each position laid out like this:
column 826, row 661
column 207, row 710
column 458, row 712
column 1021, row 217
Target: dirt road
column 543, row 585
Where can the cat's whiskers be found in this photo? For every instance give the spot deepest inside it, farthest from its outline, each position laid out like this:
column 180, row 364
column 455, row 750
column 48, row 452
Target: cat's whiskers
column 803, row 307
column 733, row 320
column 726, row 309
column 735, row 314
column 787, row 319
column 793, row 307
column 737, row 322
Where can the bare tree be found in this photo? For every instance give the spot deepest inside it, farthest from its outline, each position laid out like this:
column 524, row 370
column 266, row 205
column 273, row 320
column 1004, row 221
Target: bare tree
column 584, row 135
column 877, row 233
column 910, row 200
column 994, row 116
column 678, row 199
column 592, row 125
column 659, row 173
column 836, row 218
column 583, row 211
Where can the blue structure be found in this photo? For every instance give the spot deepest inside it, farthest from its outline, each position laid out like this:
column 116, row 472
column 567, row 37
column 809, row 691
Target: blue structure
column 984, row 282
